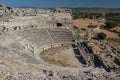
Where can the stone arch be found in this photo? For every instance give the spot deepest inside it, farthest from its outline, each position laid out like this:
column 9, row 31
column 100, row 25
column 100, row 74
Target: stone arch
column 59, row 24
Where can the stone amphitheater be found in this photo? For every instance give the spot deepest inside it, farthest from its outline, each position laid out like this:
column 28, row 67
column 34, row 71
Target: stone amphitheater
column 25, row 33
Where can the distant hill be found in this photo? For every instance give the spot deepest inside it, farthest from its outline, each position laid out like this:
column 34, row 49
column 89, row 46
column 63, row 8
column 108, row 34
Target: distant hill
column 86, row 9
column 80, row 9
column 32, row 7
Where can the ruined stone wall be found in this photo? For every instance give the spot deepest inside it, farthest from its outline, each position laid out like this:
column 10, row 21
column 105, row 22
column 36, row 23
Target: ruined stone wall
column 27, row 18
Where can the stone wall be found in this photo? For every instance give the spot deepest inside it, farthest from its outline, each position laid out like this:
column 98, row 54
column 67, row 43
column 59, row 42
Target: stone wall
column 27, row 18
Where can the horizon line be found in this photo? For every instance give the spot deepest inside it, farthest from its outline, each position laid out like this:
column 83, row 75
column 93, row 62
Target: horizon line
column 62, row 7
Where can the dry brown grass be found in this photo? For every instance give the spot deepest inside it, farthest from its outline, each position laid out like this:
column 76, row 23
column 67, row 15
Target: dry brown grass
column 117, row 28
column 108, row 33
column 83, row 23
column 61, row 56
column 97, row 49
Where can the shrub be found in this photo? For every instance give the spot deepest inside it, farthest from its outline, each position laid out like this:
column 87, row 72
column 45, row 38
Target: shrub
column 101, row 36
column 110, row 25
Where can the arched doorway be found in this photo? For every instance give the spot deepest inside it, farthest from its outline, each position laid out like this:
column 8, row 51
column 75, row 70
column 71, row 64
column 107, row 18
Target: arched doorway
column 59, row 24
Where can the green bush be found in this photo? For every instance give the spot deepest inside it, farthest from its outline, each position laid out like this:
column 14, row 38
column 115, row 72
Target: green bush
column 90, row 15
column 101, row 36
column 110, row 25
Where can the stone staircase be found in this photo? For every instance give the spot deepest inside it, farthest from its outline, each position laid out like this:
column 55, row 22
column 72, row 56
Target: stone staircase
column 61, row 35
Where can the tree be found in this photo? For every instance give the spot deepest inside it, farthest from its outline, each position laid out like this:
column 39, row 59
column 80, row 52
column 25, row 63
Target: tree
column 101, row 36
column 110, row 25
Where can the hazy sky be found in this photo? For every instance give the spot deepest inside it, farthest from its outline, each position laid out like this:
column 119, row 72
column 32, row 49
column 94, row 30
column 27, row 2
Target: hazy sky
column 62, row 3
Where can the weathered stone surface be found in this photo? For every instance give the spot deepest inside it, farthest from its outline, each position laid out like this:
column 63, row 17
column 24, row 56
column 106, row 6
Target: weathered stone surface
column 24, row 33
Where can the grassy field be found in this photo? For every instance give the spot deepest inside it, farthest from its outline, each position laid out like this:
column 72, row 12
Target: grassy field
column 53, row 56
column 61, row 56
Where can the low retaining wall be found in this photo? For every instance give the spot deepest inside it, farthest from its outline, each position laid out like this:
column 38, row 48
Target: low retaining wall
column 45, row 47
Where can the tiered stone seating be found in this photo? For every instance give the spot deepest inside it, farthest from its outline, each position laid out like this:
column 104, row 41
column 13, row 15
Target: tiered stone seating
column 61, row 35
column 38, row 37
column 23, row 43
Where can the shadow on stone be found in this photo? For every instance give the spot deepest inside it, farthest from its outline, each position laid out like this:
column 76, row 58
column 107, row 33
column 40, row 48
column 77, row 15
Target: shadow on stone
column 78, row 56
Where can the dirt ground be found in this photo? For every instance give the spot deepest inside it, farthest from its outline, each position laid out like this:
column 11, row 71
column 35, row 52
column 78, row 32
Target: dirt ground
column 108, row 33
column 71, row 59
column 97, row 49
column 83, row 23
column 62, row 56
column 117, row 28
